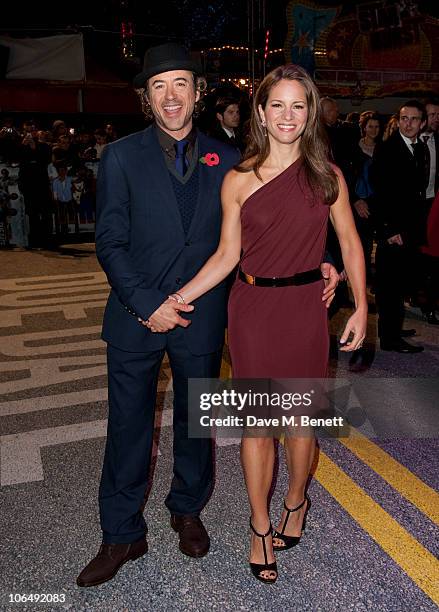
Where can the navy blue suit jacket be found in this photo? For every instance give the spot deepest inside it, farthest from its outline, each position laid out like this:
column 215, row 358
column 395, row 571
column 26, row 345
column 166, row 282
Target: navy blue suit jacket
column 141, row 245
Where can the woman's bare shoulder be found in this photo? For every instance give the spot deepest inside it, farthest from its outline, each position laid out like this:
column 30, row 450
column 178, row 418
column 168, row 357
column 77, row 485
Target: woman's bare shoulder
column 241, row 183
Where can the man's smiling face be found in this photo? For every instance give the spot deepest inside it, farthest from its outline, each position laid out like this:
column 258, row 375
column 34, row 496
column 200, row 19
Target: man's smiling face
column 172, row 96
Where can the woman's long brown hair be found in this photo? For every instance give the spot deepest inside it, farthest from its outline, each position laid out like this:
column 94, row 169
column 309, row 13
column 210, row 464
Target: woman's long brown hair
column 314, row 144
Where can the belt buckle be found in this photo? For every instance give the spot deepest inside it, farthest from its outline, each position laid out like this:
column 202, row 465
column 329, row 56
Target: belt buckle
column 249, row 278
column 274, row 280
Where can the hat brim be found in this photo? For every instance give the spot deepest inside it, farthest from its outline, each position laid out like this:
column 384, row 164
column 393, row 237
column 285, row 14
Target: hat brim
column 141, row 78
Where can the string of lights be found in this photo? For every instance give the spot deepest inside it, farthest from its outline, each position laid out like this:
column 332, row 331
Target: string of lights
column 233, row 48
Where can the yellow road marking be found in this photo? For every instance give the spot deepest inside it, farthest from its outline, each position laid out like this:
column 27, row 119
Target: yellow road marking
column 399, row 477
column 415, row 560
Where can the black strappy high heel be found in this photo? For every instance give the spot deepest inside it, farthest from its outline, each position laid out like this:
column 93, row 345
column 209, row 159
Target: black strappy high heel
column 290, row 541
column 258, row 568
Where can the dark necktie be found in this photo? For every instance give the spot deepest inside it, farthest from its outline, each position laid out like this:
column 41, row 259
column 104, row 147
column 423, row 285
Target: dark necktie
column 180, row 156
column 233, row 142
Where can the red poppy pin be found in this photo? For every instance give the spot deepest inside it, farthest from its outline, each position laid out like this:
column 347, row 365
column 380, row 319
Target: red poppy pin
column 210, row 159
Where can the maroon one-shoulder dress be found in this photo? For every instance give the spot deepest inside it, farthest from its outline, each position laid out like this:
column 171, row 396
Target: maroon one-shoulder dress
column 280, row 332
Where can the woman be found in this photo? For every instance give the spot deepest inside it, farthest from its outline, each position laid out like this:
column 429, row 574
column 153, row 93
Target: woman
column 370, row 128
column 391, row 126
column 276, row 207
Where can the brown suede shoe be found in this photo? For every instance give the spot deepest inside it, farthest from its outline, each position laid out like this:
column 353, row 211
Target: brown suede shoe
column 109, row 560
column 194, row 540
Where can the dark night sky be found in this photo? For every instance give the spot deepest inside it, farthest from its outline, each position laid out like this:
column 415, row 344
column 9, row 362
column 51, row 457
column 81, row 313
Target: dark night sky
column 199, row 24
column 202, row 22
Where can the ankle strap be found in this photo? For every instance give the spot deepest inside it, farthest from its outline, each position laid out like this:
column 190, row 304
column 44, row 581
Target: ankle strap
column 296, row 508
column 261, row 535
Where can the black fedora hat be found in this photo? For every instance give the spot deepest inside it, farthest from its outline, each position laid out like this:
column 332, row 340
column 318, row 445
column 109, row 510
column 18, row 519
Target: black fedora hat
column 163, row 58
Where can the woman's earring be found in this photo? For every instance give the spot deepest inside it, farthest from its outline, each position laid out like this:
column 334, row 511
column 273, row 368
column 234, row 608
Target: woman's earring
column 264, row 126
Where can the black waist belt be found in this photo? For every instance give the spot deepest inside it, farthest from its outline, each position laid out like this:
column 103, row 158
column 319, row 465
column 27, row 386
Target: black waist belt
column 301, row 278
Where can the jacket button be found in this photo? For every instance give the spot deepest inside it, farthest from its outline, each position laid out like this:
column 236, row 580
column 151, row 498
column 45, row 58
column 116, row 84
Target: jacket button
column 178, row 280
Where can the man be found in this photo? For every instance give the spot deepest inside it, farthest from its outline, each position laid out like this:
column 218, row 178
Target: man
column 101, row 139
column 33, row 182
column 228, row 117
column 430, row 139
column 397, row 176
column 158, row 221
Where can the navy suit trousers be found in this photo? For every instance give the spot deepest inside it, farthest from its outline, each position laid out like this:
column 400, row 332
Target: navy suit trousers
column 132, row 387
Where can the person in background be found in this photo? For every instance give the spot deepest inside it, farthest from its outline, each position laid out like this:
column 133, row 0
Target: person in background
column 33, row 182
column 59, row 128
column 10, row 140
column 62, row 190
column 352, row 118
column 391, row 127
column 343, row 140
column 430, row 254
column 85, row 141
column 111, row 132
column 101, row 139
column 370, row 127
column 397, row 176
column 227, row 123
column 428, row 294
column 65, row 152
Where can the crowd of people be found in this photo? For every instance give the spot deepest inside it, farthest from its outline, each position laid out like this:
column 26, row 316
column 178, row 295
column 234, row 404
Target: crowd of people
column 391, row 169
column 48, row 180
column 48, row 176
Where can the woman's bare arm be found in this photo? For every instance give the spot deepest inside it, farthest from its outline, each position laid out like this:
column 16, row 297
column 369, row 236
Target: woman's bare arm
column 353, row 260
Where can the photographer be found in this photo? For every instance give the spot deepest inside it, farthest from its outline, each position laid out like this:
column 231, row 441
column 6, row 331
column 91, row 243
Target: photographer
column 33, row 182
column 9, row 142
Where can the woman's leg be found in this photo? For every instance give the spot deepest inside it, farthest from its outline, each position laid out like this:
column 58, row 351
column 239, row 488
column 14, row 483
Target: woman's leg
column 299, row 455
column 257, row 457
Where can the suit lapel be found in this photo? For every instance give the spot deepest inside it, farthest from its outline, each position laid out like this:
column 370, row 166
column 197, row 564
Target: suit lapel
column 156, row 175
column 208, row 176
column 405, row 151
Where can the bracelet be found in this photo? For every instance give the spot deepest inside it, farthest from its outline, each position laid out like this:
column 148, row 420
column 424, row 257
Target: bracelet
column 177, row 297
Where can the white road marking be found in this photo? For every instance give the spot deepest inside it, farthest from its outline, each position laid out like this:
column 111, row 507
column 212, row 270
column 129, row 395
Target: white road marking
column 45, row 372
column 27, row 283
column 13, row 318
column 33, row 295
column 15, row 345
column 38, row 297
column 47, row 402
column 20, row 454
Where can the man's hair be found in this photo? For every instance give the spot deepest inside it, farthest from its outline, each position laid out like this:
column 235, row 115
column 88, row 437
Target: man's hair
column 223, row 103
column 328, row 99
column 433, row 101
column 413, row 104
column 100, row 132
